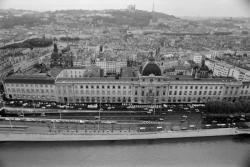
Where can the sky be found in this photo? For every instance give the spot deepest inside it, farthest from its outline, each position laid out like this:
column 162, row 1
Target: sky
column 207, row 8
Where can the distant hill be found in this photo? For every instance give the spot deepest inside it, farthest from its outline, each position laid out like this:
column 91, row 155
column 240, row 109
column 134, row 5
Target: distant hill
column 117, row 17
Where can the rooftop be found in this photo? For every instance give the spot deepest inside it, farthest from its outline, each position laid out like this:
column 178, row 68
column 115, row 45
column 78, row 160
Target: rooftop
column 30, row 79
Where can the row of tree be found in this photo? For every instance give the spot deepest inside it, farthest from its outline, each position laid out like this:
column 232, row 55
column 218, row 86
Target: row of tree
column 30, row 43
column 225, row 107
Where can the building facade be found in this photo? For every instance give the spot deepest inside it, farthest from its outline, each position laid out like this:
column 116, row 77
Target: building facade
column 148, row 87
column 226, row 70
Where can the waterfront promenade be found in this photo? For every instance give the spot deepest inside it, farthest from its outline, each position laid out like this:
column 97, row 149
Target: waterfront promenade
column 116, row 135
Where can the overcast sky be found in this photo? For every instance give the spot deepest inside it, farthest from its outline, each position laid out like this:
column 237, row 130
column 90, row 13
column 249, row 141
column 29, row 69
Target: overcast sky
column 231, row 8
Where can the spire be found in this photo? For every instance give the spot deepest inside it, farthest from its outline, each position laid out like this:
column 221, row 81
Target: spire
column 153, row 7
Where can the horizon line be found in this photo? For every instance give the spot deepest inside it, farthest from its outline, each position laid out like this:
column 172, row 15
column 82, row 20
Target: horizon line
column 54, row 10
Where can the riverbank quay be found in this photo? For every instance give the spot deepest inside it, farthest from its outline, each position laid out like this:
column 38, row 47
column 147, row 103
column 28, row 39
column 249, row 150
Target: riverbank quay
column 99, row 136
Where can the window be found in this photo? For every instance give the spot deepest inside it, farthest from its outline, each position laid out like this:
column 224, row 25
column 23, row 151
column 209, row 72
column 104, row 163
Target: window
column 196, row 87
column 119, row 87
column 180, row 93
column 87, row 86
column 97, row 87
column 102, row 86
column 113, row 87
column 170, row 92
column 191, row 87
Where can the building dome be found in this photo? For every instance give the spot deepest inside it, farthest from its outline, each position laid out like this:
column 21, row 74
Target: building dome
column 151, row 68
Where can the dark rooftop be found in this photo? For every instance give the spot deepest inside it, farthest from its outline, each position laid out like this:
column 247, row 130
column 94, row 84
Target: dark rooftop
column 151, row 68
column 27, row 79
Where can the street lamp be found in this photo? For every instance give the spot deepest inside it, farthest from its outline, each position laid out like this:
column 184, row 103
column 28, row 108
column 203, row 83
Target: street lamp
column 99, row 117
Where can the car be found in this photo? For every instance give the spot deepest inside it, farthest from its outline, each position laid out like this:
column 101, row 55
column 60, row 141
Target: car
column 25, row 104
column 43, row 114
column 208, row 126
column 170, row 110
column 183, row 120
column 221, row 125
column 159, row 128
column 151, row 110
column 17, row 119
column 192, row 126
column 142, row 129
column 184, row 128
column 184, row 116
column 161, row 119
column 197, row 110
column 214, row 121
column 97, row 117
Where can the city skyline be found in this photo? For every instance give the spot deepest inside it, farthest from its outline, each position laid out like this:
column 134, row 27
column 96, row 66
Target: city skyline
column 197, row 8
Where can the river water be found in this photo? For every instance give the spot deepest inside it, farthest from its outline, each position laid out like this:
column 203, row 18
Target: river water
column 199, row 152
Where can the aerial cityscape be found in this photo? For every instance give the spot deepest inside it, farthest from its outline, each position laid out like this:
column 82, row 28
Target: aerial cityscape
column 122, row 74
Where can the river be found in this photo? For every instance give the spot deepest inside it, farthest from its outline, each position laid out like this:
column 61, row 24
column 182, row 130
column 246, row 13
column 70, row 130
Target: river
column 199, row 152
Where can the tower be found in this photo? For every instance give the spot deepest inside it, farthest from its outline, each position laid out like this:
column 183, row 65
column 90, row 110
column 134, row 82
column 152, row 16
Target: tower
column 131, row 7
column 154, row 17
column 153, row 7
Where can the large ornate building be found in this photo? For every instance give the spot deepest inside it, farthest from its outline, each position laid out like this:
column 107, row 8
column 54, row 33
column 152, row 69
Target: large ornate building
column 145, row 86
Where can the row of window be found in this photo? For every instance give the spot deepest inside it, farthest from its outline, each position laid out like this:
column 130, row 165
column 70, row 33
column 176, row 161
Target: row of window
column 30, row 85
column 97, row 87
column 13, row 90
column 13, row 96
column 95, row 92
column 197, row 87
column 195, row 93
column 96, row 99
